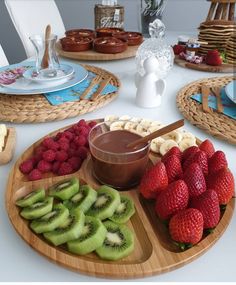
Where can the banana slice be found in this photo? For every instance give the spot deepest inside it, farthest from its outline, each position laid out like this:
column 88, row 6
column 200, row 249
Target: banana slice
column 156, row 143
column 110, row 118
column 167, row 145
column 186, row 143
column 118, row 125
column 135, row 119
column 131, row 126
column 188, row 135
column 141, row 130
column 174, row 135
column 124, row 118
column 146, row 123
column 3, row 130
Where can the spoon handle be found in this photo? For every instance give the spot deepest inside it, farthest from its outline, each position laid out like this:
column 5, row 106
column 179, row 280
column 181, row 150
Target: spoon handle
column 45, row 63
column 157, row 133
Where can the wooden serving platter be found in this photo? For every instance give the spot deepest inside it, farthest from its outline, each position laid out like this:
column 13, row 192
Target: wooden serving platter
column 10, row 142
column 154, row 252
column 93, row 55
column 224, row 68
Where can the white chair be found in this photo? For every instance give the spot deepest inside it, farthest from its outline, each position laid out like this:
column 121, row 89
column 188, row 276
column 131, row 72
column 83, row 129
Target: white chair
column 3, row 58
column 31, row 17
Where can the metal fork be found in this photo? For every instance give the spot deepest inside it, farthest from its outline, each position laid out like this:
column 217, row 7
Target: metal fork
column 94, row 81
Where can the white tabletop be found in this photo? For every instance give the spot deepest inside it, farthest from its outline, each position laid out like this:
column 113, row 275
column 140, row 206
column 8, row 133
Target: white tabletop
column 19, row 262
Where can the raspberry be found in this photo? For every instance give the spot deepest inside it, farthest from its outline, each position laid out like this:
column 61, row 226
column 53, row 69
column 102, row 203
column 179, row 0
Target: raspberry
column 80, row 140
column 37, row 157
column 56, row 166
column 44, row 166
column 58, row 136
column 63, row 140
column 71, row 152
column 65, row 168
column 68, row 135
column 40, row 149
column 82, row 152
column 71, row 130
column 81, row 123
column 26, row 166
column 64, row 146
column 49, row 155
column 35, row 174
column 75, row 163
column 73, row 145
column 50, row 143
column 83, row 131
column 61, row 155
column 92, row 124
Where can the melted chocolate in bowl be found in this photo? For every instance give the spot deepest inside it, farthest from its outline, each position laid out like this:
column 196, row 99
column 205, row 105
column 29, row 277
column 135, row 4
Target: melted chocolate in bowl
column 114, row 163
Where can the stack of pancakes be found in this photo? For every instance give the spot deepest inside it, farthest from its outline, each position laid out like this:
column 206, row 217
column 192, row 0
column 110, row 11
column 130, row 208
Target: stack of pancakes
column 231, row 49
column 216, row 35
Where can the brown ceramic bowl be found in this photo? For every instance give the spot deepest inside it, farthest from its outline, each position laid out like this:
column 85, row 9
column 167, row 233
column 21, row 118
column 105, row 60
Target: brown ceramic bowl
column 109, row 45
column 133, row 38
column 76, row 44
column 85, row 33
column 107, row 32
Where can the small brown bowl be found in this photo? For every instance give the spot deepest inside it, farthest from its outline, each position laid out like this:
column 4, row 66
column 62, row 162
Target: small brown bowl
column 76, row 44
column 80, row 33
column 133, row 38
column 107, row 32
column 109, row 45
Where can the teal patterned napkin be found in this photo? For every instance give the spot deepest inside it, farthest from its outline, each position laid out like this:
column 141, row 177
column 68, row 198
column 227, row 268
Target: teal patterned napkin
column 229, row 106
column 73, row 93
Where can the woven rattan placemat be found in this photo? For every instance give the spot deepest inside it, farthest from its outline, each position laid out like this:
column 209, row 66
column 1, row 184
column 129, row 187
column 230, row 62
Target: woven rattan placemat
column 36, row 108
column 218, row 125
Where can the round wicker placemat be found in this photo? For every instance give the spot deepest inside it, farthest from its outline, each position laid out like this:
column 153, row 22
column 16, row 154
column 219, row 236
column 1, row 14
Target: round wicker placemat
column 218, row 125
column 36, row 108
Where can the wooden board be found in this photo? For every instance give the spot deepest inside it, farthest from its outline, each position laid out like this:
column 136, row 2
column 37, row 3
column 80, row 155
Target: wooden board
column 224, row 68
column 93, row 55
column 10, row 142
column 154, row 252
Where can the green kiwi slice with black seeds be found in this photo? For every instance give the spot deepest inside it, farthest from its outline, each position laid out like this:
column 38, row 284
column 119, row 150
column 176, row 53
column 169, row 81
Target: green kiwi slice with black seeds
column 82, row 200
column 38, row 209
column 65, row 189
column 119, row 242
column 71, row 229
column 124, row 211
column 107, row 201
column 31, row 198
column 51, row 220
column 92, row 237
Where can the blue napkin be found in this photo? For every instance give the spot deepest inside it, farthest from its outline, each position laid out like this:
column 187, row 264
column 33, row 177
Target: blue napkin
column 73, row 93
column 229, row 106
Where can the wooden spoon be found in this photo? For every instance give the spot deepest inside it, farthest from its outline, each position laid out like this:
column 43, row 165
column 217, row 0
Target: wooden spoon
column 45, row 59
column 158, row 133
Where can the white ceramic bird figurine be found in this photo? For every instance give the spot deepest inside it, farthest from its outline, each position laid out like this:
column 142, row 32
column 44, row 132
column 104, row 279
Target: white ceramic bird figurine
column 149, row 87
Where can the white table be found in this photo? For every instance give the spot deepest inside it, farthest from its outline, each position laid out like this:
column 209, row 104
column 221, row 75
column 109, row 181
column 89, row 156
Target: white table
column 19, row 262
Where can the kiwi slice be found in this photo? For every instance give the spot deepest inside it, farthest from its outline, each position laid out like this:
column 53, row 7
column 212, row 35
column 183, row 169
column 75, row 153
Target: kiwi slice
column 38, row 209
column 71, row 229
column 119, row 242
column 92, row 237
column 65, row 189
column 83, row 200
column 107, row 201
column 50, row 221
column 124, row 210
column 31, row 198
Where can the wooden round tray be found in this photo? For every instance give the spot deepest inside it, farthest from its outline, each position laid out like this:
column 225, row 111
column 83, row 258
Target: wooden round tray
column 218, row 125
column 93, row 55
column 36, row 108
column 154, row 252
column 224, row 68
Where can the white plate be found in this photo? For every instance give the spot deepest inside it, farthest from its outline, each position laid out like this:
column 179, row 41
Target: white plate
column 22, row 86
column 230, row 90
column 64, row 72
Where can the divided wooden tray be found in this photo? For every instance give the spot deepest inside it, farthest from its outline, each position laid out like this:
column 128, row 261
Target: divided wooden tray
column 10, row 142
column 93, row 55
column 224, row 68
column 154, row 252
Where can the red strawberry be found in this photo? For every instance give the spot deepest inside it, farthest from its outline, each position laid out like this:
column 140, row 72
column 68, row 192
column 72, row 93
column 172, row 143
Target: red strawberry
column 208, row 205
column 178, row 49
column 174, row 198
column 199, row 157
column 174, row 150
column 214, row 58
column 154, row 181
column 217, row 161
column 187, row 226
column 189, row 152
column 173, row 168
column 208, row 147
column 194, row 178
column 222, row 182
